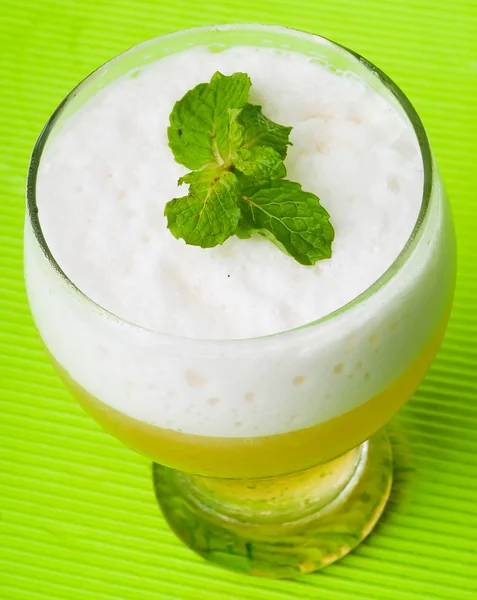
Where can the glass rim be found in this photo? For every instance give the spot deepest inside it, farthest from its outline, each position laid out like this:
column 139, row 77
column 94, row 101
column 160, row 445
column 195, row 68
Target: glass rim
column 405, row 253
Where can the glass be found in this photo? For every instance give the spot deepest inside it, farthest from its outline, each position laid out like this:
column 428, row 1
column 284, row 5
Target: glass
column 294, row 498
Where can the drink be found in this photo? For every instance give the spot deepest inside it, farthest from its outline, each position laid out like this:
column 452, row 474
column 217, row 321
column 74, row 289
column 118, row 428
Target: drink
column 259, row 456
column 174, row 375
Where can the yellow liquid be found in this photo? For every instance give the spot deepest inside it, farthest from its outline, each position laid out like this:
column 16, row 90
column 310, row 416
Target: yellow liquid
column 260, row 456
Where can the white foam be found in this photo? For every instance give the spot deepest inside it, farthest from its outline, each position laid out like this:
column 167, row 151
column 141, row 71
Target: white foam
column 102, row 186
column 104, row 183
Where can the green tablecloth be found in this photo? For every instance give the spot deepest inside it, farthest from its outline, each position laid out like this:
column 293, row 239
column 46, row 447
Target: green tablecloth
column 78, row 517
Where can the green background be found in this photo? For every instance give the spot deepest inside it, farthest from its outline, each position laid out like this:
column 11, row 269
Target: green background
column 77, row 512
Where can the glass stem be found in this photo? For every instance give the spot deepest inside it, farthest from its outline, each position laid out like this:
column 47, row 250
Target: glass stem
column 281, row 499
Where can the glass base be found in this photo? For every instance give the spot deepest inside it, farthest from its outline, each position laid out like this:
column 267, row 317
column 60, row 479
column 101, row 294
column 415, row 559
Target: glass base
column 280, row 526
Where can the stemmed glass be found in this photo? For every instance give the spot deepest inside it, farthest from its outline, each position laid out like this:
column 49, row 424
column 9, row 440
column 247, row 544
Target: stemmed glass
column 298, row 496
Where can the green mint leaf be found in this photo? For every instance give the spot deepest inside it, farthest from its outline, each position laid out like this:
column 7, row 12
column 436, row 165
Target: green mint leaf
column 200, row 123
column 261, row 131
column 187, row 178
column 243, row 231
column 209, row 214
column 236, row 184
column 260, row 163
column 236, row 133
column 290, row 217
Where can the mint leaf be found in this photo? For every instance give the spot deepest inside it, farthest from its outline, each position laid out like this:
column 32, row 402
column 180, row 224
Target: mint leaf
column 236, row 133
column 260, row 163
column 199, row 132
column 243, row 231
column 261, row 131
column 237, row 183
column 209, row 214
column 290, row 217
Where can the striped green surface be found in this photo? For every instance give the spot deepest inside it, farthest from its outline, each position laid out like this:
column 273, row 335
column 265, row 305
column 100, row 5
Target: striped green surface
column 77, row 513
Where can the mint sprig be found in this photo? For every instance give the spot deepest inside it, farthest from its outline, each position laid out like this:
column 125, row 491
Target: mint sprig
column 237, row 181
